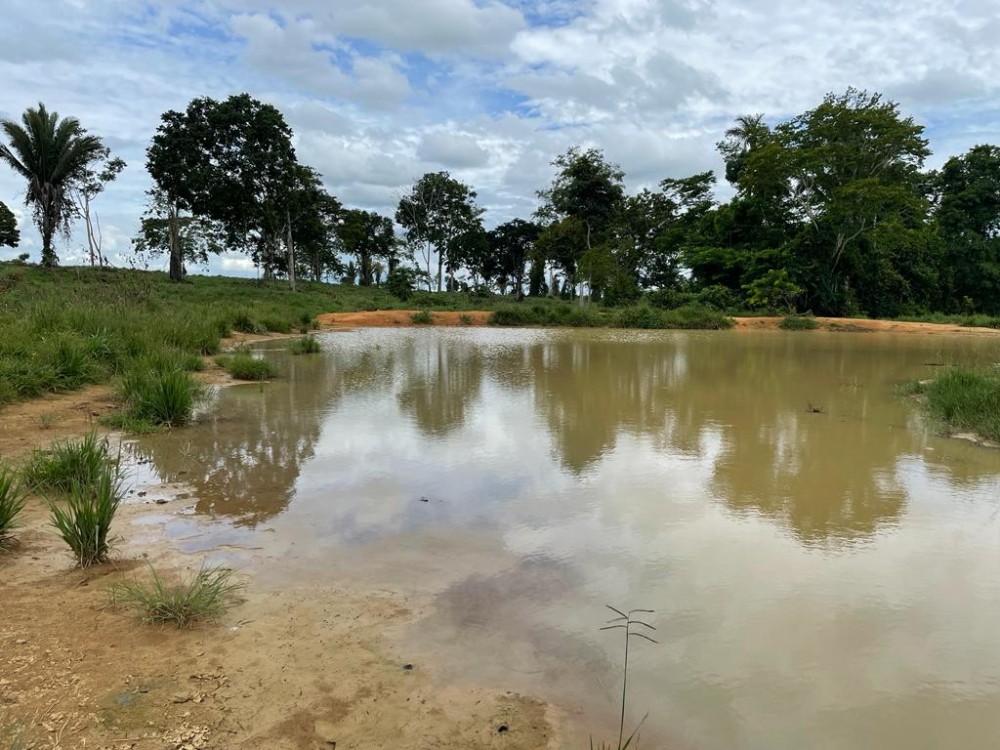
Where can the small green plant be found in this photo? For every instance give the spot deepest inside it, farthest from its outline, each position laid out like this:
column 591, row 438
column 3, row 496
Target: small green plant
column 307, row 323
column 244, row 323
column 159, row 396
column 306, row 345
column 422, row 318
column 625, row 621
column 12, row 495
column 966, row 400
column 465, row 320
column 206, row 596
column 47, row 421
column 84, row 519
column 244, row 366
column 66, row 464
column 798, row 323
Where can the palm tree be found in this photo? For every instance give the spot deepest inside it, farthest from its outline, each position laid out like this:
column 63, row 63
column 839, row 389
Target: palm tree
column 51, row 154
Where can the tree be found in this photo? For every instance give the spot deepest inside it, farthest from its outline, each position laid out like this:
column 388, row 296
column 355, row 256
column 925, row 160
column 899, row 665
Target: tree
column 196, row 237
column 97, row 175
column 52, row 154
column 315, row 216
column 511, row 245
column 968, row 222
column 367, row 236
column 231, row 162
column 9, row 236
column 436, row 210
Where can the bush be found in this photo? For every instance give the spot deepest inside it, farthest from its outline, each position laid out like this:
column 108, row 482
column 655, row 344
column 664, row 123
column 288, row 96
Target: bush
column 66, row 465
column 12, row 495
column 84, row 519
column 306, row 345
column 798, row 323
column 159, row 394
column 400, row 282
column 205, row 597
column 513, row 315
column 244, row 366
column 697, row 317
column 640, row 316
column 244, row 323
column 966, row 400
column 422, row 318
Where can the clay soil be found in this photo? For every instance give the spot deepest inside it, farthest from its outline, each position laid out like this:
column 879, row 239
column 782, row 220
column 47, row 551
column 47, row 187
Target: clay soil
column 307, row 667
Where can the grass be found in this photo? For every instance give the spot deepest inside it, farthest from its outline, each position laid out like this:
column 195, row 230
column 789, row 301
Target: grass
column 206, row 596
column 242, row 365
column 465, row 320
column 635, row 316
column 306, row 345
column 422, row 318
column 84, row 519
column 158, row 393
column 12, row 495
column 964, row 400
column 798, row 323
column 67, row 464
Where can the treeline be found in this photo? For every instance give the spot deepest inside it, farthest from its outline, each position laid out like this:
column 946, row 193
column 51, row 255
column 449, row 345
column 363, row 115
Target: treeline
column 832, row 211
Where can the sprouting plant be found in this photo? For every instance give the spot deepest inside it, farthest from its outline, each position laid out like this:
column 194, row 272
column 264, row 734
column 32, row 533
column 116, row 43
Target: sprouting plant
column 626, row 621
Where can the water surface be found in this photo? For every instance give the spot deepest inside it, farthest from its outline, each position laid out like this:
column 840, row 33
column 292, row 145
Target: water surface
column 824, row 568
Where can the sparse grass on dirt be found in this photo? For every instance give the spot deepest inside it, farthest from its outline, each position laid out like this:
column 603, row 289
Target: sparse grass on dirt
column 422, row 318
column 66, row 464
column 206, row 596
column 798, row 323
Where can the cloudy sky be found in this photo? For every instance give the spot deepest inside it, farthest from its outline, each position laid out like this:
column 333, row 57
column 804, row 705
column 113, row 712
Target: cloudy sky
column 380, row 91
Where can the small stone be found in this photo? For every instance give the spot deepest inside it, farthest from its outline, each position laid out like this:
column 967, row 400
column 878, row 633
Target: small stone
column 503, row 729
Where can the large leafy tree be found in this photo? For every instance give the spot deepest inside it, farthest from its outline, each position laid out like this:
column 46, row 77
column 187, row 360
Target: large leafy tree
column 231, row 162
column 369, row 238
column 9, row 236
column 436, row 210
column 511, row 245
column 53, row 155
column 968, row 222
column 196, row 238
column 315, row 216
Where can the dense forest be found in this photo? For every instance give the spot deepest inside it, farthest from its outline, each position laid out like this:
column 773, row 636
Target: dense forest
column 831, row 212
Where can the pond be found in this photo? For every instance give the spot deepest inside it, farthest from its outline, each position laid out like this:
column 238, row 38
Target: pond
column 824, row 568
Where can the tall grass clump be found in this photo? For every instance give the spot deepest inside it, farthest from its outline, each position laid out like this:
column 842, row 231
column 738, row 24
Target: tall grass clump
column 242, row 365
column 640, row 316
column 697, row 317
column 421, row 318
column 306, row 345
column 206, row 596
column 83, row 519
column 798, row 323
column 965, row 399
column 67, row 464
column 159, row 393
column 12, row 494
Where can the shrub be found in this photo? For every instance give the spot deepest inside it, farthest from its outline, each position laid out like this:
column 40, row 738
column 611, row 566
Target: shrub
column 12, row 494
column 205, row 597
column 798, row 323
column 513, row 315
column 244, row 323
column 67, row 464
column 422, row 318
column 400, row 282
column 640, row 316
column 306, row 345
column 465, row 320
column 696, row 317
column 84, row 519
column 244, row 366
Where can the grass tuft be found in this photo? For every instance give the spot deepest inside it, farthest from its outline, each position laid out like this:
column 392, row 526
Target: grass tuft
column 965, row 399
column 67, row 464
column 242, row 365
column 159, row 393
column 798, row 323
column 422, row 318
column 12, row 494
column 306, row 345
column 84, row 519
column 206, row 596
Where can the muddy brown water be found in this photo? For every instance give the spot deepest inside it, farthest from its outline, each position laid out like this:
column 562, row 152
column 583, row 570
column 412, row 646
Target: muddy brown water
column 823, row 566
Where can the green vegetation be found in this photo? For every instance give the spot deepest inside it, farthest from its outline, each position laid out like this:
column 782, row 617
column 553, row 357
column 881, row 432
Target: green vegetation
column 158, row 395
column 637, row 316
column 206, row 596
column 421, row 318
column 83, row 519
column 306, row 345
column 12, row 494
column 964, row 400
column 67, row 464
column 798, row 323
column 243, row 365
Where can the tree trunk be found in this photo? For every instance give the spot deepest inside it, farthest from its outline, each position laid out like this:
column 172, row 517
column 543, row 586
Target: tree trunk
column 440, row 267
column 49, row 259
column 90, row 228
column 176, row 261
column 291, row 250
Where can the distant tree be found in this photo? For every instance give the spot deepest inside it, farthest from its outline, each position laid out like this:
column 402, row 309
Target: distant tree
column 196, row 237
column 511, row 245
column 315, row 217
column 231, row 162
column 98, row 174
column 436, row 210
column 471, row 250
column 53, row 155
column 9, row 236
column 367, row 236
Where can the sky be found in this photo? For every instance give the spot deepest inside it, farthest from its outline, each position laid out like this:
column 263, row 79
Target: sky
column 378, row 92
